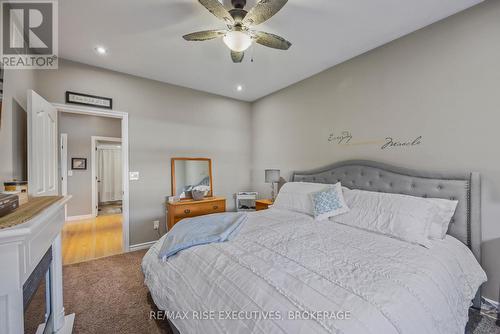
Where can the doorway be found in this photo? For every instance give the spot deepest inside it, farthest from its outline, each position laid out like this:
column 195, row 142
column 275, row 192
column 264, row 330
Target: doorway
column 107, row 192
column 103, row 229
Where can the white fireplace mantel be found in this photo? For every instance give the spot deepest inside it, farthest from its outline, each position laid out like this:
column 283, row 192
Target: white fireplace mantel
column 21, row 249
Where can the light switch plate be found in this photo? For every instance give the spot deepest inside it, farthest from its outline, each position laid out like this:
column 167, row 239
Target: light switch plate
column 70, row 173
column 134, row 176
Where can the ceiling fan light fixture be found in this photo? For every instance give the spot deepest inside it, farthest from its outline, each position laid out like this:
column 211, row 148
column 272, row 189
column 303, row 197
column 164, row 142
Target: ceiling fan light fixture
column 237, row 41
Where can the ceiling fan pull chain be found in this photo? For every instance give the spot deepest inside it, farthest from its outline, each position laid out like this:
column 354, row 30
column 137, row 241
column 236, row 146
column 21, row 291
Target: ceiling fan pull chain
column 253, row 51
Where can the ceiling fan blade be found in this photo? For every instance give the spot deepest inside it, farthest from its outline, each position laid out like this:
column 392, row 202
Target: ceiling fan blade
column 263, row 11
column 216, row 8
column 237, row 57
column 271, row 40
column 204, row 35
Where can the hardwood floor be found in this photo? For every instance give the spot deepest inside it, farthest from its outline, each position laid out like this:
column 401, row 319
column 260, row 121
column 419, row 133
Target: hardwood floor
column 89, row 239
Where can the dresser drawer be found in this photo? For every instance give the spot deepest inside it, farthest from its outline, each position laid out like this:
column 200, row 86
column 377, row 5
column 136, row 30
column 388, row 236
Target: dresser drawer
column 181, row 210
column 193, row 210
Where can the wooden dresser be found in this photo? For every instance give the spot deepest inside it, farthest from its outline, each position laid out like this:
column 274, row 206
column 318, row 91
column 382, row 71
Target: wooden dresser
column 190, row 208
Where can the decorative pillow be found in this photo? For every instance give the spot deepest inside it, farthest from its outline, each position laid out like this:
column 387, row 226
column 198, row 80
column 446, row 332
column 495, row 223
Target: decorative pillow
column 296, row 196
column 403, row 217
column 445, row 211
column 329, row 202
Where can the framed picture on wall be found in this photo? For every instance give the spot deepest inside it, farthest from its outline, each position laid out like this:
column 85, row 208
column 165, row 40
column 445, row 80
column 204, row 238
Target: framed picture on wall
column 89, row 100
column 79, row 163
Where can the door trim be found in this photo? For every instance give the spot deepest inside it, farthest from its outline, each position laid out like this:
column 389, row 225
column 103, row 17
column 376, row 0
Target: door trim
column 63, row 154
column 125, row 156
column 93, row 163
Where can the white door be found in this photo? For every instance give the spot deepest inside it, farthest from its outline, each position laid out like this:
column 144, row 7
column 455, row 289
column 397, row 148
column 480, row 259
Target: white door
column 42, row 146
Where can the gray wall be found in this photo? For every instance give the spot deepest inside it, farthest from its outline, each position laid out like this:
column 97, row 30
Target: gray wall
column 165, row 121
column 441, row 82
column 80, row 129
column 12, row 155
column 19, row 142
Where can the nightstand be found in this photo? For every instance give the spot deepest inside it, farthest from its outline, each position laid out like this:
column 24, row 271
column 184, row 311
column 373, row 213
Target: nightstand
column 263, row 204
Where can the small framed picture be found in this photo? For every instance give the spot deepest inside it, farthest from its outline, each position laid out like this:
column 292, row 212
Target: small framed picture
column 79, row 163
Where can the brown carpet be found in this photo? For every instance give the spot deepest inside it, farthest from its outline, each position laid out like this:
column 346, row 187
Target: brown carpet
column 108, row 296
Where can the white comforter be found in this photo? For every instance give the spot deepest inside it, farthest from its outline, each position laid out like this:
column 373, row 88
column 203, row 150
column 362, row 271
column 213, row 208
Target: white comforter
column 283, row 262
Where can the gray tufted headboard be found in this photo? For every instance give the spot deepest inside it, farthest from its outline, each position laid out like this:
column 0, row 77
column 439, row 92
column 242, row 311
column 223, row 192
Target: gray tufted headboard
column 375, row 176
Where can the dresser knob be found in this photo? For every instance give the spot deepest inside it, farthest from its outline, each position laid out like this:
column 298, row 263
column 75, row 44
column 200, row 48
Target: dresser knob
column 216, row 207
column 187, row 211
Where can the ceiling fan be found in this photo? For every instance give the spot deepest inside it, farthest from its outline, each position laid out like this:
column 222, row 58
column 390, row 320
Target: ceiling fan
column 239, row 36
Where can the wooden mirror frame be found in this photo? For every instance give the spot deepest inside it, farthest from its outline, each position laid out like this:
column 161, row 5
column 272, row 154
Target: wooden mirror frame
column 172, row 167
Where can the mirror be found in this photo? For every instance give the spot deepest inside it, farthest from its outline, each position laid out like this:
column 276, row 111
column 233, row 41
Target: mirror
column 190, row 174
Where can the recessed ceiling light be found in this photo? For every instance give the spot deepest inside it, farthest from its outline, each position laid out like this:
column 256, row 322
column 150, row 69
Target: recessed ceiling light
column 101, row 50
column 239, row 88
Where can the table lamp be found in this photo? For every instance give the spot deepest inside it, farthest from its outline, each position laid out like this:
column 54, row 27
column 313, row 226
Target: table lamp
column 272, row 176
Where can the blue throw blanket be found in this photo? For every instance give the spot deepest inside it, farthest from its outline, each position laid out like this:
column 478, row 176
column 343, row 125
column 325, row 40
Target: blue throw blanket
column 190, row 232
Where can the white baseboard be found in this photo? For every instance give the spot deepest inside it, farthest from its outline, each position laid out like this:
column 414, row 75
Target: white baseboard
column 82, row 217
column 66, row 329
column 144, row 245
column 492, row 302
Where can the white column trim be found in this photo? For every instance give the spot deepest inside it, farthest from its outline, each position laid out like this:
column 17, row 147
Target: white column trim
column 56, row 284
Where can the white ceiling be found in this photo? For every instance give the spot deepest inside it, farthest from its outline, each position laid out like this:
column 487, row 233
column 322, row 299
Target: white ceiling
column 144, row 39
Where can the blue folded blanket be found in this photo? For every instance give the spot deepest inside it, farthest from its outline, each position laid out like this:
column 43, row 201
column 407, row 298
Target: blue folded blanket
column 190, row 232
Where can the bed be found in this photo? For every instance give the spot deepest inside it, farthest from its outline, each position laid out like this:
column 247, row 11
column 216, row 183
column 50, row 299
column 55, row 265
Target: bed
column 286, row 273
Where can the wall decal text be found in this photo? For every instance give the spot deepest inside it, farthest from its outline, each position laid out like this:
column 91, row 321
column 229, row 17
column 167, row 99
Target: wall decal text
column 393, row 143
column 345, row 138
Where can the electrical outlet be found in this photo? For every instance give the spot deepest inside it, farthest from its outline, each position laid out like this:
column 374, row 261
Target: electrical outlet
column 133, row 176
column 156, row 225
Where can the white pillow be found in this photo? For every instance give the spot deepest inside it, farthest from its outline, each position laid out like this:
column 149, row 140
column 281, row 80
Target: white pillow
column 445, row 211
column 329, row 202
column 403, row 217
column 296, row 196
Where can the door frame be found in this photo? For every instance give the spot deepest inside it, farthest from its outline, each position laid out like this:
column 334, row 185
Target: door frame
column 63, row 156
column 123, row 116
column 93, row 163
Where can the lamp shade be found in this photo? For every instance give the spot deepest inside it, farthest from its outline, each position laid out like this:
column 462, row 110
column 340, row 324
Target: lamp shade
column 272, row 175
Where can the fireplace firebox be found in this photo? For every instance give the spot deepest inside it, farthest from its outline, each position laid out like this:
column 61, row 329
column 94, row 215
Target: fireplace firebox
column 37, row 304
